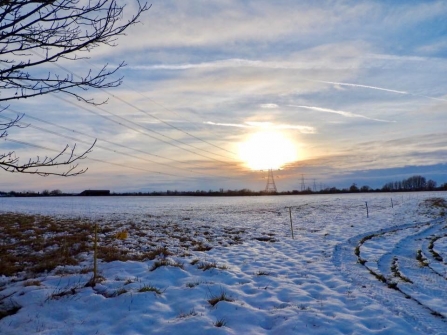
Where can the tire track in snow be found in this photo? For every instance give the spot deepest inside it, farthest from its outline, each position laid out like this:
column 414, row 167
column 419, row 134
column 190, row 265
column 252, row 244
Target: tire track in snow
column 437, row 263
column 429, row 287
column 400, row 303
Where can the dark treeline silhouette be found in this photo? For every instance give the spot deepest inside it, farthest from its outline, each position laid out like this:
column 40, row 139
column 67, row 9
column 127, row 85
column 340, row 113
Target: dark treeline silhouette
column 44, row 193
column 412, row 184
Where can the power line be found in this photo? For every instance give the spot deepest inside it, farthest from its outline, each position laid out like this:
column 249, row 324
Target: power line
column 146, row 128
column 105, row 148
column 168, row 124
column 153, row 116
column 131, row 105
column 107, row 141
column 92, row 159
column 143, row 133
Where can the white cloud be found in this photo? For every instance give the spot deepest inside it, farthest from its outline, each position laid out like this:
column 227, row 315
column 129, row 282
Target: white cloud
column 362, row 86
column 380, row 89
column 343, row 113
column 433, row 47
column 237, row 125
column 328, row 56
column 272, row 106
column 269, row 125
column 233, row 60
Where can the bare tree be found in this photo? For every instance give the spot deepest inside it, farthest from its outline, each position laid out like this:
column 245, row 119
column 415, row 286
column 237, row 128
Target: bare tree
column 34, row 33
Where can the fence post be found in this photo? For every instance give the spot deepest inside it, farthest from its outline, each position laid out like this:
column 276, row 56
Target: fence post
column 392, row 206
column 95, row 255
column 367, row 212
column 291, row 225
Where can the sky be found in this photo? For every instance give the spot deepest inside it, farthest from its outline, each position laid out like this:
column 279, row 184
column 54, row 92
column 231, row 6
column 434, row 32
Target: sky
column 342, row 91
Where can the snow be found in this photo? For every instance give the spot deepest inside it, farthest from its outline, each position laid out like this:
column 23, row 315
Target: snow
column 273, row 284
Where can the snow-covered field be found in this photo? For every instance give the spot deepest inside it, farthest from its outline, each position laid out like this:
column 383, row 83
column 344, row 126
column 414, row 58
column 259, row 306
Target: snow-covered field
column 230, row 266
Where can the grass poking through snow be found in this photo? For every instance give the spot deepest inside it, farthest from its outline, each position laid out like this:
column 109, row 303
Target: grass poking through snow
column 222, row 322
column 223, row 296
column 165, row 262
column 150, row 288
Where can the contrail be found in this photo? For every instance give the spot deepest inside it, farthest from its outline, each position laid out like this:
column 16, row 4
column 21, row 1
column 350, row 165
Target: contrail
column 377, row 88
column 237, row 125
column 240, row 62
column 302, row 129
column 343, row 113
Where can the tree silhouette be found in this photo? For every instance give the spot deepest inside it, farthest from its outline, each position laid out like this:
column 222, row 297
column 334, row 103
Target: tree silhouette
column 413, row 183
column 34, row 33
column 353, row 188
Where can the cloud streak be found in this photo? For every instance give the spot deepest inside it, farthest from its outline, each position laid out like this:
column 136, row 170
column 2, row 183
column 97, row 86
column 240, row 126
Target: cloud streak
column 249, row 66
column 301, row 129
column 271, row 106
column 307, row 60
column 343, row 113
column 379, row 89
column 305, row 63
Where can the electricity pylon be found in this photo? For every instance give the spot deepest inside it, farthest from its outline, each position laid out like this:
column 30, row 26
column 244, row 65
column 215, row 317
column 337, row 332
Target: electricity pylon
column 303, row 186
column 270, row 187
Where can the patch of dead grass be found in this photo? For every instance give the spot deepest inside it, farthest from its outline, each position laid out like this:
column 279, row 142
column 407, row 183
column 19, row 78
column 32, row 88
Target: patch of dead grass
column 33, row 244
column 36, row 244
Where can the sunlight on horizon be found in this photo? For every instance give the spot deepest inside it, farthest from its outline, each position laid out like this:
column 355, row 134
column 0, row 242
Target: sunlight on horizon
column 267, row 150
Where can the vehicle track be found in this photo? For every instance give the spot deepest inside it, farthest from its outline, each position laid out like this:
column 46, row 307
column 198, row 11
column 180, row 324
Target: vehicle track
column 397, row 280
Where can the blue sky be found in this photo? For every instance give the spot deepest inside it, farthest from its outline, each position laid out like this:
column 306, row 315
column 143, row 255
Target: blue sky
column 359, row 87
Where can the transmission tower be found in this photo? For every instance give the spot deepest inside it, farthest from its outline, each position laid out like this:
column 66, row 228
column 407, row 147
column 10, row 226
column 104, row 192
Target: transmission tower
column 303, row 186
column 270, row 187
column 315, row 187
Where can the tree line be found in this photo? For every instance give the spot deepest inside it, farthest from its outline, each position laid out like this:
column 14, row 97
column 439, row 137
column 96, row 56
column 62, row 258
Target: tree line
column 412, row 184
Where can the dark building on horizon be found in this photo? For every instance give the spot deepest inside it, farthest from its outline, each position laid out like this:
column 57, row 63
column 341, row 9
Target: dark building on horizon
column 95, row 192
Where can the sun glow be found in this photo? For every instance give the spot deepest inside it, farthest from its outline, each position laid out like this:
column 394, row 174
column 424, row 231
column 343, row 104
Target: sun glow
column 267, row 150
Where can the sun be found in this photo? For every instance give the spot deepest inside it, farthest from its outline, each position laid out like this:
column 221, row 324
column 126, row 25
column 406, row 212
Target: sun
column 267, row 150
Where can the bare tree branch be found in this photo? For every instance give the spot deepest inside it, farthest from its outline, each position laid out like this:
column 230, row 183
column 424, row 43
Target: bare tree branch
column 10, row 163
column 34, row 33
column 9, row 124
